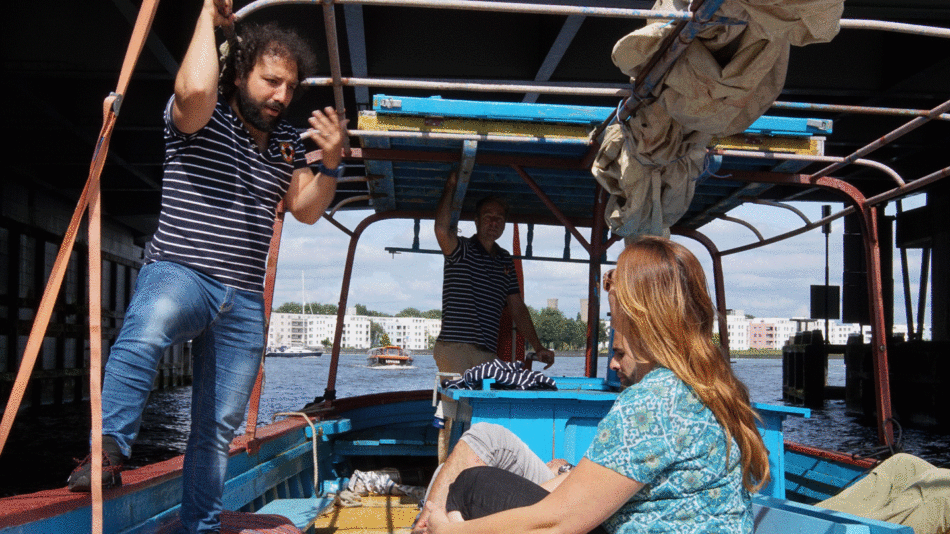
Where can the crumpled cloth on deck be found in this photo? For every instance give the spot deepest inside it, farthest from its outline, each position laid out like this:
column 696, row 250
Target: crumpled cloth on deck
column 381, row 482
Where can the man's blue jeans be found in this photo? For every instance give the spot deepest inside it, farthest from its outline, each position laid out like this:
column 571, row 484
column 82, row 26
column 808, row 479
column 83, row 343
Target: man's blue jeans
column 173, row 304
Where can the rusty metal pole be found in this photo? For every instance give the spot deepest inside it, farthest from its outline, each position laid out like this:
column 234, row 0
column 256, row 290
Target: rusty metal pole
column 597, row 248
column 553, row 207
column 333, row 51
column 330, row 392
column 872, row 252
column 868, row 219
column 718, row 281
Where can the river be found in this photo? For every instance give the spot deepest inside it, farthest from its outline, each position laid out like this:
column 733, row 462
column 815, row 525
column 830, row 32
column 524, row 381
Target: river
column 44, row 441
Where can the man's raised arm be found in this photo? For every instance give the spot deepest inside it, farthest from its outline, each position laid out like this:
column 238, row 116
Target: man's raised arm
column 445, row 234
column 196, row 84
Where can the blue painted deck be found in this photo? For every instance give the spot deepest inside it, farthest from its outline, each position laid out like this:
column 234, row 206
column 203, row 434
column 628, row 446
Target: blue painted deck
column 555, row 162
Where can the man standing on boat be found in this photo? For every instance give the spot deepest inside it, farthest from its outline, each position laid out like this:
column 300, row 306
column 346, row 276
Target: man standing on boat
column 479, row 279
column 229, row 160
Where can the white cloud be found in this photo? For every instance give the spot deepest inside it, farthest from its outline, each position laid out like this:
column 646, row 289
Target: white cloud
column 772, row 281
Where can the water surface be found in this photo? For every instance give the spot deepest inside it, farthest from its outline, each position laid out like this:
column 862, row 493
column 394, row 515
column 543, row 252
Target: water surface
column 44, row 441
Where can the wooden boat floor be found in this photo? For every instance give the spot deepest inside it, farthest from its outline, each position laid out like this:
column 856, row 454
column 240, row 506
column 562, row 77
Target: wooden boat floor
column 379, row 514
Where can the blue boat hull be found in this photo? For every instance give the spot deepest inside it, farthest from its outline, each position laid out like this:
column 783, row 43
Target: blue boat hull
column 275, row 473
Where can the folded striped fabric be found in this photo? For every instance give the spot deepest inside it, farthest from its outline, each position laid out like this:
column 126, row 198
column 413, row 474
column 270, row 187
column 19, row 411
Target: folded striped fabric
column 507, row 376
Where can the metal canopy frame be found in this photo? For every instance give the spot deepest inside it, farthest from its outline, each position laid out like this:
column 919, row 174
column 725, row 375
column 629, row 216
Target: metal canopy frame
column 381, row 151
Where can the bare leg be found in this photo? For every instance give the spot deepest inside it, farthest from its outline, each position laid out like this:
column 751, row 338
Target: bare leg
column 462, row 458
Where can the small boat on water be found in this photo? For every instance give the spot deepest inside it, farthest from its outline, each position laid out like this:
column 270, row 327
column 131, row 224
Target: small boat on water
column 293, row 352
column 388, row 356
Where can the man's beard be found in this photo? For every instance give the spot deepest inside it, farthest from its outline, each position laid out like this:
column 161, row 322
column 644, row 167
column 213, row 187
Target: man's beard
column 253, row 111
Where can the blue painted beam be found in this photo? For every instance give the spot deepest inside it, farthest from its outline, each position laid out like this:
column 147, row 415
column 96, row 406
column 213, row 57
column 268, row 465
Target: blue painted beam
column 560, row 113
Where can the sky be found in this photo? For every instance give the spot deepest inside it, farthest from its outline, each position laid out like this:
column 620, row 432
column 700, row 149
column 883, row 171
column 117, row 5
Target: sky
column 772, row 281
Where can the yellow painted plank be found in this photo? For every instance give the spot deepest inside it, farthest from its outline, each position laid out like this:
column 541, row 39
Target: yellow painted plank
column 405, row 123
column 377, row 515
column 811, row 146
column 369, row 120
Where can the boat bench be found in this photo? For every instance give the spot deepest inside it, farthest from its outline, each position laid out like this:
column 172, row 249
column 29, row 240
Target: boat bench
column 573, row 413
column 575, row 409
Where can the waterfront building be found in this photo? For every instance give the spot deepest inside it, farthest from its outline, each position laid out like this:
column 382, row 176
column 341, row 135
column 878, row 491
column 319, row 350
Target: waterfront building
column 738, row 327
column 771, row 333
column 309, row 330
column 413, row 333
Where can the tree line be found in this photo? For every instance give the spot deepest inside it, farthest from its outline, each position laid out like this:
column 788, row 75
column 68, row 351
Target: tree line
column 557, row 332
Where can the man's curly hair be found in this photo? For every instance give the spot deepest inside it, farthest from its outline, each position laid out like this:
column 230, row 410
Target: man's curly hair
column 257, row 40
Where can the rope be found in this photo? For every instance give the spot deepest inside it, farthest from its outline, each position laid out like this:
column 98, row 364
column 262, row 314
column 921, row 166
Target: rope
column 88, row 199
column 347, row 499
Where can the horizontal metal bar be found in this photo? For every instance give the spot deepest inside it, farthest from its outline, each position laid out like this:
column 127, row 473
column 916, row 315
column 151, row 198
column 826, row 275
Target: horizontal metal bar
column 540, row 9
column 399, row 250
column 476, row 86
column 858, row 110
column 501, row 7
column 588, row 89
column 607, row 12
column 469, row 137
column 818, row 159
column 895, row 27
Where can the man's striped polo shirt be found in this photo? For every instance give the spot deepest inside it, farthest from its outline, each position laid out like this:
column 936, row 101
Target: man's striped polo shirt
column 475, row 289
column 219, row 197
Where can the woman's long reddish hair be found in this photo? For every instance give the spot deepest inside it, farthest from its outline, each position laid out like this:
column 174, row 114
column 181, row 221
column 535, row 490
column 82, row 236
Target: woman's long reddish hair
column 661, row 291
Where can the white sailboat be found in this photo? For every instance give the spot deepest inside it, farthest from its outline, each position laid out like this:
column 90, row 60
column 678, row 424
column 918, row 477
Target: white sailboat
column 298, row 348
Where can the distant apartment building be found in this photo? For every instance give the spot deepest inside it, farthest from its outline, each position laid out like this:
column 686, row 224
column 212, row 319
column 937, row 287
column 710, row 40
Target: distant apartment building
column 306, row 330
column 411, row 333
column 838, row 333
column 899, row 330
column 737, row 325
column 774, row 333
column 771, row 333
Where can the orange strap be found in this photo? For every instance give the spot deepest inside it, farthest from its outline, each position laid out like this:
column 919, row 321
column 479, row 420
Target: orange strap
column 270, row 277
column 89, row 198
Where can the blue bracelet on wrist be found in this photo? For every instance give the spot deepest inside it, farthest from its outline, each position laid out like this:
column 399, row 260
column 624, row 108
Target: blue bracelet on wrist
column 334, row 173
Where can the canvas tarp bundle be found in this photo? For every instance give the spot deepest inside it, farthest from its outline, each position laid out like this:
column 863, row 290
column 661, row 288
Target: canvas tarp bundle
column 726, row 79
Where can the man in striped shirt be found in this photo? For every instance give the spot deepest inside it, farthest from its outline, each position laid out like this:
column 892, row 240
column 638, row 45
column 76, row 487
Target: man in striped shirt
column 230, row 158
column 479, row 280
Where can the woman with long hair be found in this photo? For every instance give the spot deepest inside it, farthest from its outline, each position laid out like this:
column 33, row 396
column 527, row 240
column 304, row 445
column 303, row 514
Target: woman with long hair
column 679, row 450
